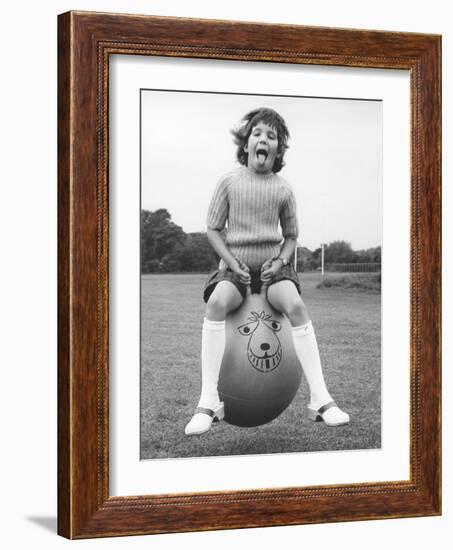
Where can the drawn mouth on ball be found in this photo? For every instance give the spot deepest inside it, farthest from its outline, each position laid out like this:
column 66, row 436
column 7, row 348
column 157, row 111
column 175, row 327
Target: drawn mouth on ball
column 265, row 363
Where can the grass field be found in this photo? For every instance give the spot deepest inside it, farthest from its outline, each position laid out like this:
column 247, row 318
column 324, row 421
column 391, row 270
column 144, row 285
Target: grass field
column 348, row 330
column 368, row 282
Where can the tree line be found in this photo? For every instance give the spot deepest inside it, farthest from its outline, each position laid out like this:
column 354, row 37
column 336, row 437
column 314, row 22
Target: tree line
column 167, row 248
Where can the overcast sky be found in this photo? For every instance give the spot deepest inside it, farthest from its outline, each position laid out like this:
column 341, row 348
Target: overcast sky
column 334, row 162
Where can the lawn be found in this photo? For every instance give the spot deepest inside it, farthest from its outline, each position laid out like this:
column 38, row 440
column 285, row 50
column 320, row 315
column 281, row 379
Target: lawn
column 348, row 330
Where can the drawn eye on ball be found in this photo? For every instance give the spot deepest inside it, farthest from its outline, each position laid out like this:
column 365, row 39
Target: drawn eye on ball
column 248, row 329
column 274, row 325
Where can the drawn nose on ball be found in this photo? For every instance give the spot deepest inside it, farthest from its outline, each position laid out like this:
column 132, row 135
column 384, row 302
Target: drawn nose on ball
column 265, row 346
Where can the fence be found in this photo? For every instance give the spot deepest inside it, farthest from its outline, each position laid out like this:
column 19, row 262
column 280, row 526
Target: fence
column 370, row 267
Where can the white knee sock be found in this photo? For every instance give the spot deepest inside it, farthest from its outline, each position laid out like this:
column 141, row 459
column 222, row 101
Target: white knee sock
column 212, row 348
column 308, row 354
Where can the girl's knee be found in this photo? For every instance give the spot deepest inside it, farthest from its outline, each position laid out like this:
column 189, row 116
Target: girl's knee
column 216, row 308
column 297, row 311
column 220, row 304
column 296, row 307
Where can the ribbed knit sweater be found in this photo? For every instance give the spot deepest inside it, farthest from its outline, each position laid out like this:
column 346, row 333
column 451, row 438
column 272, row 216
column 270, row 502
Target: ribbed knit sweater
column 252, row 206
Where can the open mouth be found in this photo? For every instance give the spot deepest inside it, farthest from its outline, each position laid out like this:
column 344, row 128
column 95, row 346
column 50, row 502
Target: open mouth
column 261, row 154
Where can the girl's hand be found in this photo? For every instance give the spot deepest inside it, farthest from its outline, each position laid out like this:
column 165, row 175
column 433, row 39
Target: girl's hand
column 241, row 269
column 269, row 269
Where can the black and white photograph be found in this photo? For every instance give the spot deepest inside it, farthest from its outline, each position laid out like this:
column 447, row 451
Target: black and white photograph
column 261, row 247
column 225, row 290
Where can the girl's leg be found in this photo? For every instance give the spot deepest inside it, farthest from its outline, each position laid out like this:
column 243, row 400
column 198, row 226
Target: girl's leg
column 225, row 298
column 284, row 297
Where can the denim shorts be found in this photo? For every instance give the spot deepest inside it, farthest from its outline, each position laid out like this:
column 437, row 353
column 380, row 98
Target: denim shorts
column 286, row 273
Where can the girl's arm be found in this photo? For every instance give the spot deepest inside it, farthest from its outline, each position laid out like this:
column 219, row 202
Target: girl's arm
column 290, row 231
column 288, row 248
column 218, row 244
column 273, row 266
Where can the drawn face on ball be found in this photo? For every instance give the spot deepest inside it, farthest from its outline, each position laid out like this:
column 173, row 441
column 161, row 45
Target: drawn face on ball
column 264, row 350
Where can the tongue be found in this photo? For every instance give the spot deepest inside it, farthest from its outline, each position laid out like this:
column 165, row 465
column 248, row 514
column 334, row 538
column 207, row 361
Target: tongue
column 261, row 157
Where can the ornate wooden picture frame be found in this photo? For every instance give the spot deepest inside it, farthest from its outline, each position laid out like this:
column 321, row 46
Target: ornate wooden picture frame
column 85, row 507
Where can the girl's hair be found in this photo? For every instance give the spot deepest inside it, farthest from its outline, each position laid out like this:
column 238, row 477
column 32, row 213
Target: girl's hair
column 242, row 133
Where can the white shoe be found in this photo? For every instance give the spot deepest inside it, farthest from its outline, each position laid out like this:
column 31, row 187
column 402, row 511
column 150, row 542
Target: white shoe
column 203, row 418
column 330, row 414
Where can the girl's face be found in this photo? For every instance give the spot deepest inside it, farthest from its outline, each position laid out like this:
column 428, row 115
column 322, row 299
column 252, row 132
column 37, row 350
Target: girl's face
column 262, row 148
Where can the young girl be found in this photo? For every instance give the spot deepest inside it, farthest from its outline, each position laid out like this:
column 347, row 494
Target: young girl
column 252, row 201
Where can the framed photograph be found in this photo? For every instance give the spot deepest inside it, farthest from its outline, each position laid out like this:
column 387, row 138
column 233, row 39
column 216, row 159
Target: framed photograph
column 249, row 275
